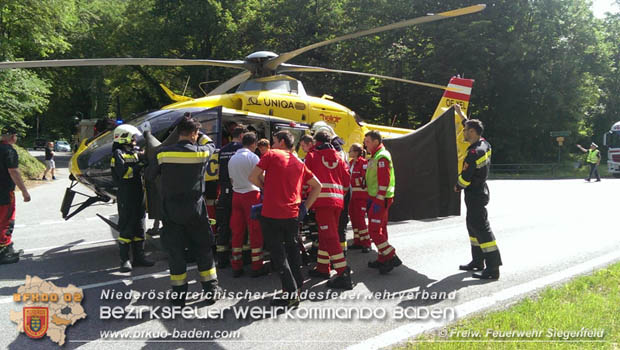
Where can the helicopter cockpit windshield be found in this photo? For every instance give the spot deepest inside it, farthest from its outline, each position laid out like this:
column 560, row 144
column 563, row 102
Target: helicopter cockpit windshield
column 280, row 84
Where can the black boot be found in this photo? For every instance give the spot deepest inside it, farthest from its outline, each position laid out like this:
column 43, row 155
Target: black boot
column 389, row 265
column 472, row 266
column 178, row 295
column 212, row 291
column 490, row 273
column 375, row 264
column 139, row 259
column 8, row 255
column 341, row 281
column 124, row 253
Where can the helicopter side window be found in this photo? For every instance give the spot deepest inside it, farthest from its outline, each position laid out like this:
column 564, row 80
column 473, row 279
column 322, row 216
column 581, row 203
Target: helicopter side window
column 279, row 86
column 296, row 131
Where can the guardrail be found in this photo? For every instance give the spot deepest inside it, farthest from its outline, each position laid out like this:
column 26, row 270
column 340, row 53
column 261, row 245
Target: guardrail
column 510, row 170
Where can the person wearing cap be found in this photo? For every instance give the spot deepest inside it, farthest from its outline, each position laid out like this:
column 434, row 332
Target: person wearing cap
column 593, row 159
column 127, row 163
column 9, row 177
column 473, row 180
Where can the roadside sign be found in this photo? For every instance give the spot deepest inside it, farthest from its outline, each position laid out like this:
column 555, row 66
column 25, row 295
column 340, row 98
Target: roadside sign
column 562, row 133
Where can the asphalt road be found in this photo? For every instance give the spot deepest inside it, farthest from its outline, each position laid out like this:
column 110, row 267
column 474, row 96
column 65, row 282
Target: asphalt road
column 547, row 231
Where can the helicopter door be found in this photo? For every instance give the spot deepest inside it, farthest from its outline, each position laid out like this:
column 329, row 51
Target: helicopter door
column 211, row 124
column 296, row 129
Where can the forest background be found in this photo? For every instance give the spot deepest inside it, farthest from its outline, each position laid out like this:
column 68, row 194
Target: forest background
column 538, row 65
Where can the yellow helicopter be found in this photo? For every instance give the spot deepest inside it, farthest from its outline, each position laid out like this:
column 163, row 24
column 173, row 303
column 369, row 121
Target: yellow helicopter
column 266, row 100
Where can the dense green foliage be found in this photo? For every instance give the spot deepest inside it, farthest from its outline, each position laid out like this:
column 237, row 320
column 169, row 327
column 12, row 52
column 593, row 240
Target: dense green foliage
column 539, row 66
column 30, row 167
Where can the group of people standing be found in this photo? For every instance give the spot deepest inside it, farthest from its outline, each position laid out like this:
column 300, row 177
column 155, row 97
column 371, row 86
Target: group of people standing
column 267, row 195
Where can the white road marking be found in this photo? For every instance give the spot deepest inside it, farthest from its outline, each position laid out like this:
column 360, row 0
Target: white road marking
column 411, row 330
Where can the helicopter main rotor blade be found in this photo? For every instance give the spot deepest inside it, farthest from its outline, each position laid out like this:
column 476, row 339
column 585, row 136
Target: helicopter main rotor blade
column 230, row 83
column 297, row 68
column 275, row 62
column 123, row 62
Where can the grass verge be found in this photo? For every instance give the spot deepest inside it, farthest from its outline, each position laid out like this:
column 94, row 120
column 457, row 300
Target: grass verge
column 30, row 167
column 582, row 314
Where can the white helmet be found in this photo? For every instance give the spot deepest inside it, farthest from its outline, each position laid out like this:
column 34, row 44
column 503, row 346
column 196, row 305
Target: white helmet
column 125, row 133
column 323, row 126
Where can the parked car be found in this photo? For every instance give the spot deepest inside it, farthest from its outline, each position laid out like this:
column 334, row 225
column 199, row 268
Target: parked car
column 40, row 144
column 62, row 146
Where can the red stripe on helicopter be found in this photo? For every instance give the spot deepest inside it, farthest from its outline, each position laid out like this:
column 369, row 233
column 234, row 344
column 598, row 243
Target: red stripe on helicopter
column 456, row 95
column 462, row 82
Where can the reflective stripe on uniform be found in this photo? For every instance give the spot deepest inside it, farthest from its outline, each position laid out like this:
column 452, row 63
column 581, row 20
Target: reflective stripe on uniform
column 387, row 251
column 138, row 239
column 237, row 250
column 257, row 250
column 376, row 221
column 208, row 275
column 488, row 246
column 124, row 240
column 128, row 174
column 380, row 197
column 257, row 258
column 130, row 158
column 382, row 245
column 182, row 157
column 340, row 265
column 331, row 195
column 221, row 248
column 462, row 182
column 474, row 241
column 484, row 160
column 337, row 256
column 178, row 280
column 322, row 261
column 358, row 189
column 334, row 186
column 383, row 188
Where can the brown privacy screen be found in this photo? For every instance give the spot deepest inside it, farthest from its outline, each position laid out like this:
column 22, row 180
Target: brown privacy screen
column 425, row 165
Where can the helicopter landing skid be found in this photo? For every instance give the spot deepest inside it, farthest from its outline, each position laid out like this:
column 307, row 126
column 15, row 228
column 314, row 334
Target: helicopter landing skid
column 67, row 201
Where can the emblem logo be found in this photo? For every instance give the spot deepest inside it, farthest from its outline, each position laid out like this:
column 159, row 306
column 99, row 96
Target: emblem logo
column 36, row 321
column 329, row 165
column 253, row 101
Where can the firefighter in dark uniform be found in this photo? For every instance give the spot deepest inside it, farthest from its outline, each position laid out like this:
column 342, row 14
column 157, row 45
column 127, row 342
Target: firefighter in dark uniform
column 473, row 177
column 127, row 163
column 223, row 208
column 186, row 224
